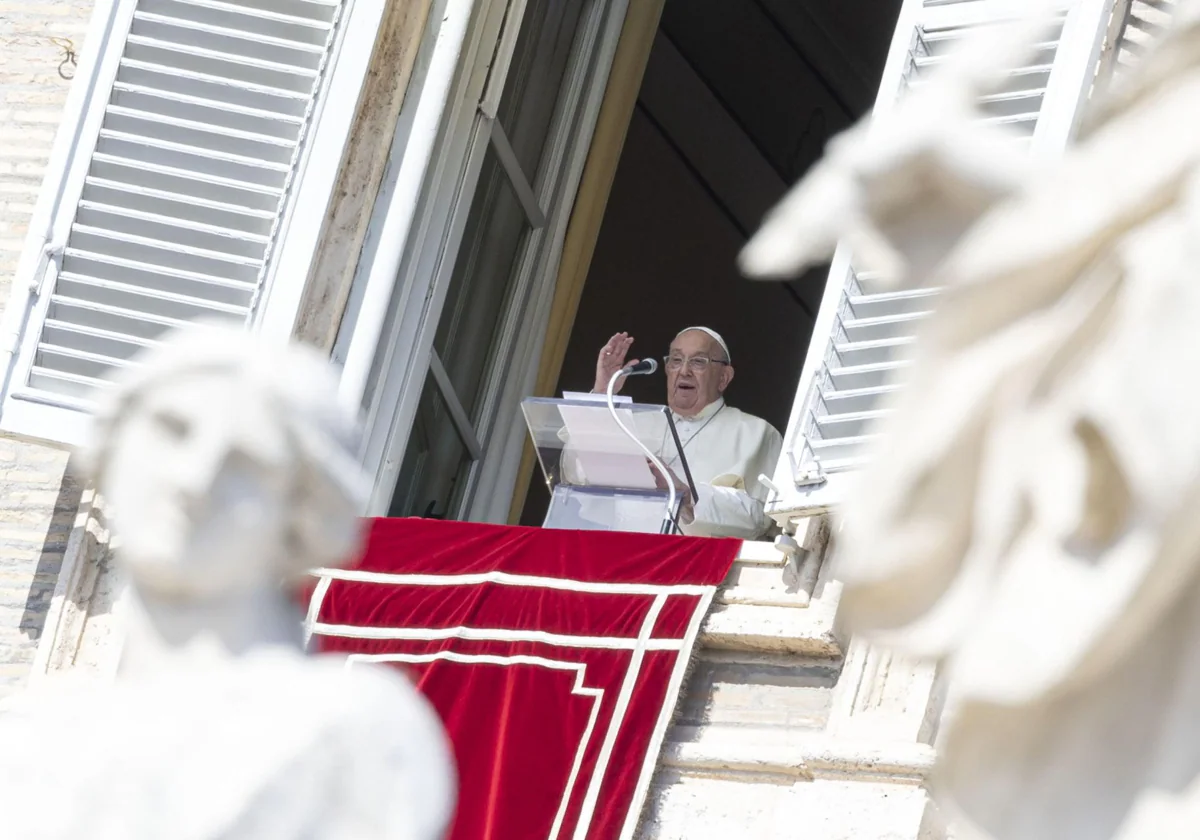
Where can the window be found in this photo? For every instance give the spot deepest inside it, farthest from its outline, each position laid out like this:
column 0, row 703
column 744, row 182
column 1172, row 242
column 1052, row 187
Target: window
column 457, row 343
column 190, row 131
column 857, row 354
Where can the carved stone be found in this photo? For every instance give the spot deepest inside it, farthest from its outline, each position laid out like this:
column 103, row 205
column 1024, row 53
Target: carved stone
column 228, row 470
column 1032, row 521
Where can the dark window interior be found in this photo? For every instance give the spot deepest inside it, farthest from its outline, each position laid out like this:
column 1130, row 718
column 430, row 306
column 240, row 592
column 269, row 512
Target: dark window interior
column 738, row 101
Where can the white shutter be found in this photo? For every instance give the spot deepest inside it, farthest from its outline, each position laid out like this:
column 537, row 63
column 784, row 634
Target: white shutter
column 1144, row 23
column 856, row 355
column 165, row 202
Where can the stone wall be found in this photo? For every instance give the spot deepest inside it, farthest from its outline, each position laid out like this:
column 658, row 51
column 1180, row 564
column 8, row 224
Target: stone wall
column 38, row 500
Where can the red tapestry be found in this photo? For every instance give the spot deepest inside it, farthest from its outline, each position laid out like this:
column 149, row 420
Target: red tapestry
column 554, row 658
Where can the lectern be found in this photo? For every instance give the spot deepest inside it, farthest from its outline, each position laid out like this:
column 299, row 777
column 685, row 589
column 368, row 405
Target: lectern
column 599, row 478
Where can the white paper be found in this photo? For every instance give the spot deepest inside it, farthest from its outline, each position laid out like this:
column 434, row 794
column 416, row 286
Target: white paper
column 605, row 455
column 602, row 399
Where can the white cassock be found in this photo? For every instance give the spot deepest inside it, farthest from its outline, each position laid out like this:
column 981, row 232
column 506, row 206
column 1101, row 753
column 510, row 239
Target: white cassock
column 727, row 450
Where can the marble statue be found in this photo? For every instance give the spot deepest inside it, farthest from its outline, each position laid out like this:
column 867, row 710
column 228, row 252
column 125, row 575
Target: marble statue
column 229, row 470
column 1032, row 522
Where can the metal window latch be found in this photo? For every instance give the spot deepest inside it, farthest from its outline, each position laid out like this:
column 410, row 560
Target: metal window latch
column 786, row 545
column 52, row 253
column 810, row 475
column 808, row 472
column 766, row 481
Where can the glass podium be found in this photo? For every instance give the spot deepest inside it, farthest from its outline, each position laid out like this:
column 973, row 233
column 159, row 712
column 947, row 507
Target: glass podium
column 598, row 478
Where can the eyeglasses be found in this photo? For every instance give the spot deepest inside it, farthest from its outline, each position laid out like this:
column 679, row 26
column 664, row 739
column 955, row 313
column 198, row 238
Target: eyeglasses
column 695, row 364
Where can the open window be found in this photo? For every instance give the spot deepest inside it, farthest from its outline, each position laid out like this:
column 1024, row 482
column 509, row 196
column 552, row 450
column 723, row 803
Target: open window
column 708, row 110
column 489, row 282
column 458, row 346
column 737, row 101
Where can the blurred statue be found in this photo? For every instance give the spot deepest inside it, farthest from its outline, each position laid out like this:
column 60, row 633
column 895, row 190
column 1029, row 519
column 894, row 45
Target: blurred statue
column 229, row 469
column 1032, row 521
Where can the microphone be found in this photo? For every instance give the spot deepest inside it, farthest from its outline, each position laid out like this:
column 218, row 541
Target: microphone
column 643, row 367
column 646, row 366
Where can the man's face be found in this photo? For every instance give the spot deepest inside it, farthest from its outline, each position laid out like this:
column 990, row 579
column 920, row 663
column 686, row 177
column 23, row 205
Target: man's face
column 693, row 385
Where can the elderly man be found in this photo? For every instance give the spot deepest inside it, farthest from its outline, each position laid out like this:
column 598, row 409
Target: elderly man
column 726, row 449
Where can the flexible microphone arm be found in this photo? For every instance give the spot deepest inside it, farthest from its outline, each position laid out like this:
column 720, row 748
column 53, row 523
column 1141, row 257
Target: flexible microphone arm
column 639, row 368
column 644, row 367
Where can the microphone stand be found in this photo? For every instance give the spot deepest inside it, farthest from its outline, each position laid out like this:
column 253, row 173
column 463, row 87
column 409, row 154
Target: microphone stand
column 669, row 519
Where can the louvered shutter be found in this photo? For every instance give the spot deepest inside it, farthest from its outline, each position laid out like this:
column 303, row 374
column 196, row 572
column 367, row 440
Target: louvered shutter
column 169, row 206
column 857, row 354
column 1144, row 24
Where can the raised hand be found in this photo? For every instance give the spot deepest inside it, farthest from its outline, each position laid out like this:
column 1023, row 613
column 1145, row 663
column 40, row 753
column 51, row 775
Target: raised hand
column 612, row 359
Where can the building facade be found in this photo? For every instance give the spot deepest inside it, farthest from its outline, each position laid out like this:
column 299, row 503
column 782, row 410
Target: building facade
column 422, row 189
column 41, row 44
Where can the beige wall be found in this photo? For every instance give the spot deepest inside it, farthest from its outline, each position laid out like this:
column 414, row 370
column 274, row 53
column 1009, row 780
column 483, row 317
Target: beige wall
column 37, row 501
column 32, row 96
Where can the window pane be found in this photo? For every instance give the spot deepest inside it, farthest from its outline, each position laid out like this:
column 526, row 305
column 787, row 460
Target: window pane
column 481, row 292
column 435, row 463
column 536, row 75
column 482, row 282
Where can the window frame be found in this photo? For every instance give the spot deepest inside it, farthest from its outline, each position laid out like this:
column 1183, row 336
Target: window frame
column 799, row 490
column 386, row 362
column 420, row 213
